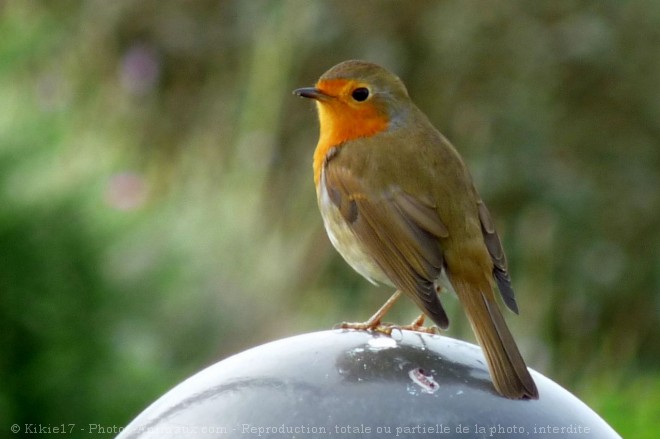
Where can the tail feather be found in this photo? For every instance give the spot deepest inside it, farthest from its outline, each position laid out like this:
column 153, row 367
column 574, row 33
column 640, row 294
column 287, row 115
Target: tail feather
column 507, row 367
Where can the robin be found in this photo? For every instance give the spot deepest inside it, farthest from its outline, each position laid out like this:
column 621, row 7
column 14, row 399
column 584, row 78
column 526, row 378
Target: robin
column 399, row 205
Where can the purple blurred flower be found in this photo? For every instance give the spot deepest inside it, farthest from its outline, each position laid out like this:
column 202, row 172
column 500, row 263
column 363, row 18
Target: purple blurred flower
column 126, row 191
column 140, row 69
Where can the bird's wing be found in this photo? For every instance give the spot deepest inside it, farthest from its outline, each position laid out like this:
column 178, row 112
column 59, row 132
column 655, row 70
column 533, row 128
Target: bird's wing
column 401, row 232
column 496, row 252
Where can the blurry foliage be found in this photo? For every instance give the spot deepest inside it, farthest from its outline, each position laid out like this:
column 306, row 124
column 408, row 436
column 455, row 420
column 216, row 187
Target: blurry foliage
column 158, row 212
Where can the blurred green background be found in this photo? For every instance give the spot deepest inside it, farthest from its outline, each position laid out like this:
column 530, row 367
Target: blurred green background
column 157, row 211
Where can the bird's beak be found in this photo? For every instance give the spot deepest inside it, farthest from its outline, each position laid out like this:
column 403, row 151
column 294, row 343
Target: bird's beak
column 311, row 93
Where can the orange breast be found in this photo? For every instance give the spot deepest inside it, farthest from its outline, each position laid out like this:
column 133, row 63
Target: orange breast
column 342, row 120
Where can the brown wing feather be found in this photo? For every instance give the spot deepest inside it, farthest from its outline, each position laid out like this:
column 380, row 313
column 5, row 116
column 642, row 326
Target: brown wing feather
column 496, row 252
column 400, row 232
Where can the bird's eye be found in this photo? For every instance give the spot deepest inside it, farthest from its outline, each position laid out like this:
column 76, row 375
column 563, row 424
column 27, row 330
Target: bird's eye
column 360, row 94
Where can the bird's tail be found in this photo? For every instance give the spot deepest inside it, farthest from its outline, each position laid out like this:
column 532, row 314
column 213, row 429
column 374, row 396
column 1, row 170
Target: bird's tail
column 507, row 367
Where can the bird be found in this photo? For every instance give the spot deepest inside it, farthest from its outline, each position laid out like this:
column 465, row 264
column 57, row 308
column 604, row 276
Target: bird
column 400, row 206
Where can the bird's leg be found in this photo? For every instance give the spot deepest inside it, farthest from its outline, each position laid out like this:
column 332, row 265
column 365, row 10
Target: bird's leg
column 374, row 322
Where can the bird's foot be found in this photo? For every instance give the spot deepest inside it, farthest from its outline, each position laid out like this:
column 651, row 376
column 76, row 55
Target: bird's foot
column 417, row 325
column 375, row 325
column 374, row 322
column 369, row 325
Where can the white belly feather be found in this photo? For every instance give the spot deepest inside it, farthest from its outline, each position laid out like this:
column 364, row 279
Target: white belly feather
column 345, row 241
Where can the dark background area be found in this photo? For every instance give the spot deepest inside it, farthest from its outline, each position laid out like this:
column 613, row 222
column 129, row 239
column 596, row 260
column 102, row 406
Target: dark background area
column 157, row 210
